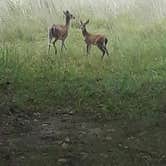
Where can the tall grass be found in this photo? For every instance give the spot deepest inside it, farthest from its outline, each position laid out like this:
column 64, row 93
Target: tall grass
column 132, row 79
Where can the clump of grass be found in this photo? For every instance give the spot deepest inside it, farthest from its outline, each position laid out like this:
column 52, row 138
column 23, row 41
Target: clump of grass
column 132, row 79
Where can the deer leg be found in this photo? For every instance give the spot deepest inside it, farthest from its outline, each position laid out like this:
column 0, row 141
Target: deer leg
column 55, row 49
column 105, row 46
column 102, row 49
column 106, row 50
column 88, row 49
column 49, row 46
column 63, row 42
column 63, row 45
column 49, row 39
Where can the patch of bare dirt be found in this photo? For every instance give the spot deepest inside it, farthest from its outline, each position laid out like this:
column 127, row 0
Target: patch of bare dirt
column 80, row 139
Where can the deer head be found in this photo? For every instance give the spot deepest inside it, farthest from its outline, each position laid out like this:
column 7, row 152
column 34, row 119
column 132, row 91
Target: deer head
column 68, row 15
column 83, row 25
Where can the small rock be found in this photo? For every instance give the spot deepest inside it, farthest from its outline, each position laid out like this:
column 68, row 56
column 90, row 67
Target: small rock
column 22, row 157
column 131, row 138
column 37, row 114
column 84, row 155
column 126, row 147
column 62, row 160
column 35, row 120
column 45, row 124
column 65, row 145
column 45, row 154
column 71, row 113
column 59, row 142
column 104, row 155
column 120, row 145
column 163, row 157
column 109, row 138
column 67, row 140
column 83, row 133
column 111, row 130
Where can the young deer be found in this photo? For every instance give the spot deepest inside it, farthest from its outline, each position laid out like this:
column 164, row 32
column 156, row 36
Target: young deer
column 60, row 32
column 90, row 39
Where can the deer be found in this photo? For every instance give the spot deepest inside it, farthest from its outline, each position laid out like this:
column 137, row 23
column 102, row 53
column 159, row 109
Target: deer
column 59, row 32
column 94, row 39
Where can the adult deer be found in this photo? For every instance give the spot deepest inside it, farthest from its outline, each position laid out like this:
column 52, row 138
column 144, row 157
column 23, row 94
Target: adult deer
column 90, row 39
column 60, row 32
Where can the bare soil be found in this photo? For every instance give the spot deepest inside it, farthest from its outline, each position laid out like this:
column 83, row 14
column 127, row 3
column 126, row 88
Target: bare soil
column 56, row 137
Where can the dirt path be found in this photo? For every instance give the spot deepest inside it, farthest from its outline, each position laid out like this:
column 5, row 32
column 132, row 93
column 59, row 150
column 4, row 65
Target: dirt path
column 80, row 139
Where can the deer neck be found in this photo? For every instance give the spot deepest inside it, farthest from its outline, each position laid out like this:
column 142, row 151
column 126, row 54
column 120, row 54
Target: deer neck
column 67, row 22
column 85, row 32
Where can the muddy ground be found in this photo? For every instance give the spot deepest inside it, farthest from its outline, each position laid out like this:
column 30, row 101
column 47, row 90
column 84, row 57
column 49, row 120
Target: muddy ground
column 56, row 137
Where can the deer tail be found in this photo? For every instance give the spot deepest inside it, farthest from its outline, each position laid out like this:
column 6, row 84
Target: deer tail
column 106, row 41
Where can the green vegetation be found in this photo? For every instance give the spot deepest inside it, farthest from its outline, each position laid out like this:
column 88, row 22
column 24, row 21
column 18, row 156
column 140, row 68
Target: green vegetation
column 132, row 79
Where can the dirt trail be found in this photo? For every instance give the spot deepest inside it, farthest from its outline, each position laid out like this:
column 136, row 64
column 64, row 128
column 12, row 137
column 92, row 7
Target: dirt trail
column 80, row 139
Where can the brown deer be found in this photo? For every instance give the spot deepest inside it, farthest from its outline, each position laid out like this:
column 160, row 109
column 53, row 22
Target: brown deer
column 90, row 39
column 60, row 32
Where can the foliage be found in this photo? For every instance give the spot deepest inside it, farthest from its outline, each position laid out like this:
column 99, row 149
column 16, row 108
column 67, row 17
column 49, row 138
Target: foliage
column 132, row 79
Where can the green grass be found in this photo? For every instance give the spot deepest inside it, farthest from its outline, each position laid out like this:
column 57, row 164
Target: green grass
column 132, row 79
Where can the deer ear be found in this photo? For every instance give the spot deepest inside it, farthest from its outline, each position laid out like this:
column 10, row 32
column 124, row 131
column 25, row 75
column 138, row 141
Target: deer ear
column 87, row 22
column 64, row 13
column 81, row 22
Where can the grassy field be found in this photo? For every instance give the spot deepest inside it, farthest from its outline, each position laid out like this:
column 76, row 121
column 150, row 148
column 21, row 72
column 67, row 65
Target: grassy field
column 131, row 79
column 77, row 110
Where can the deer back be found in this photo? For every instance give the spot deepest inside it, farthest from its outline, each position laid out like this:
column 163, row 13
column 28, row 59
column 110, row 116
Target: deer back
column 94, row 39
column 59, row 31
